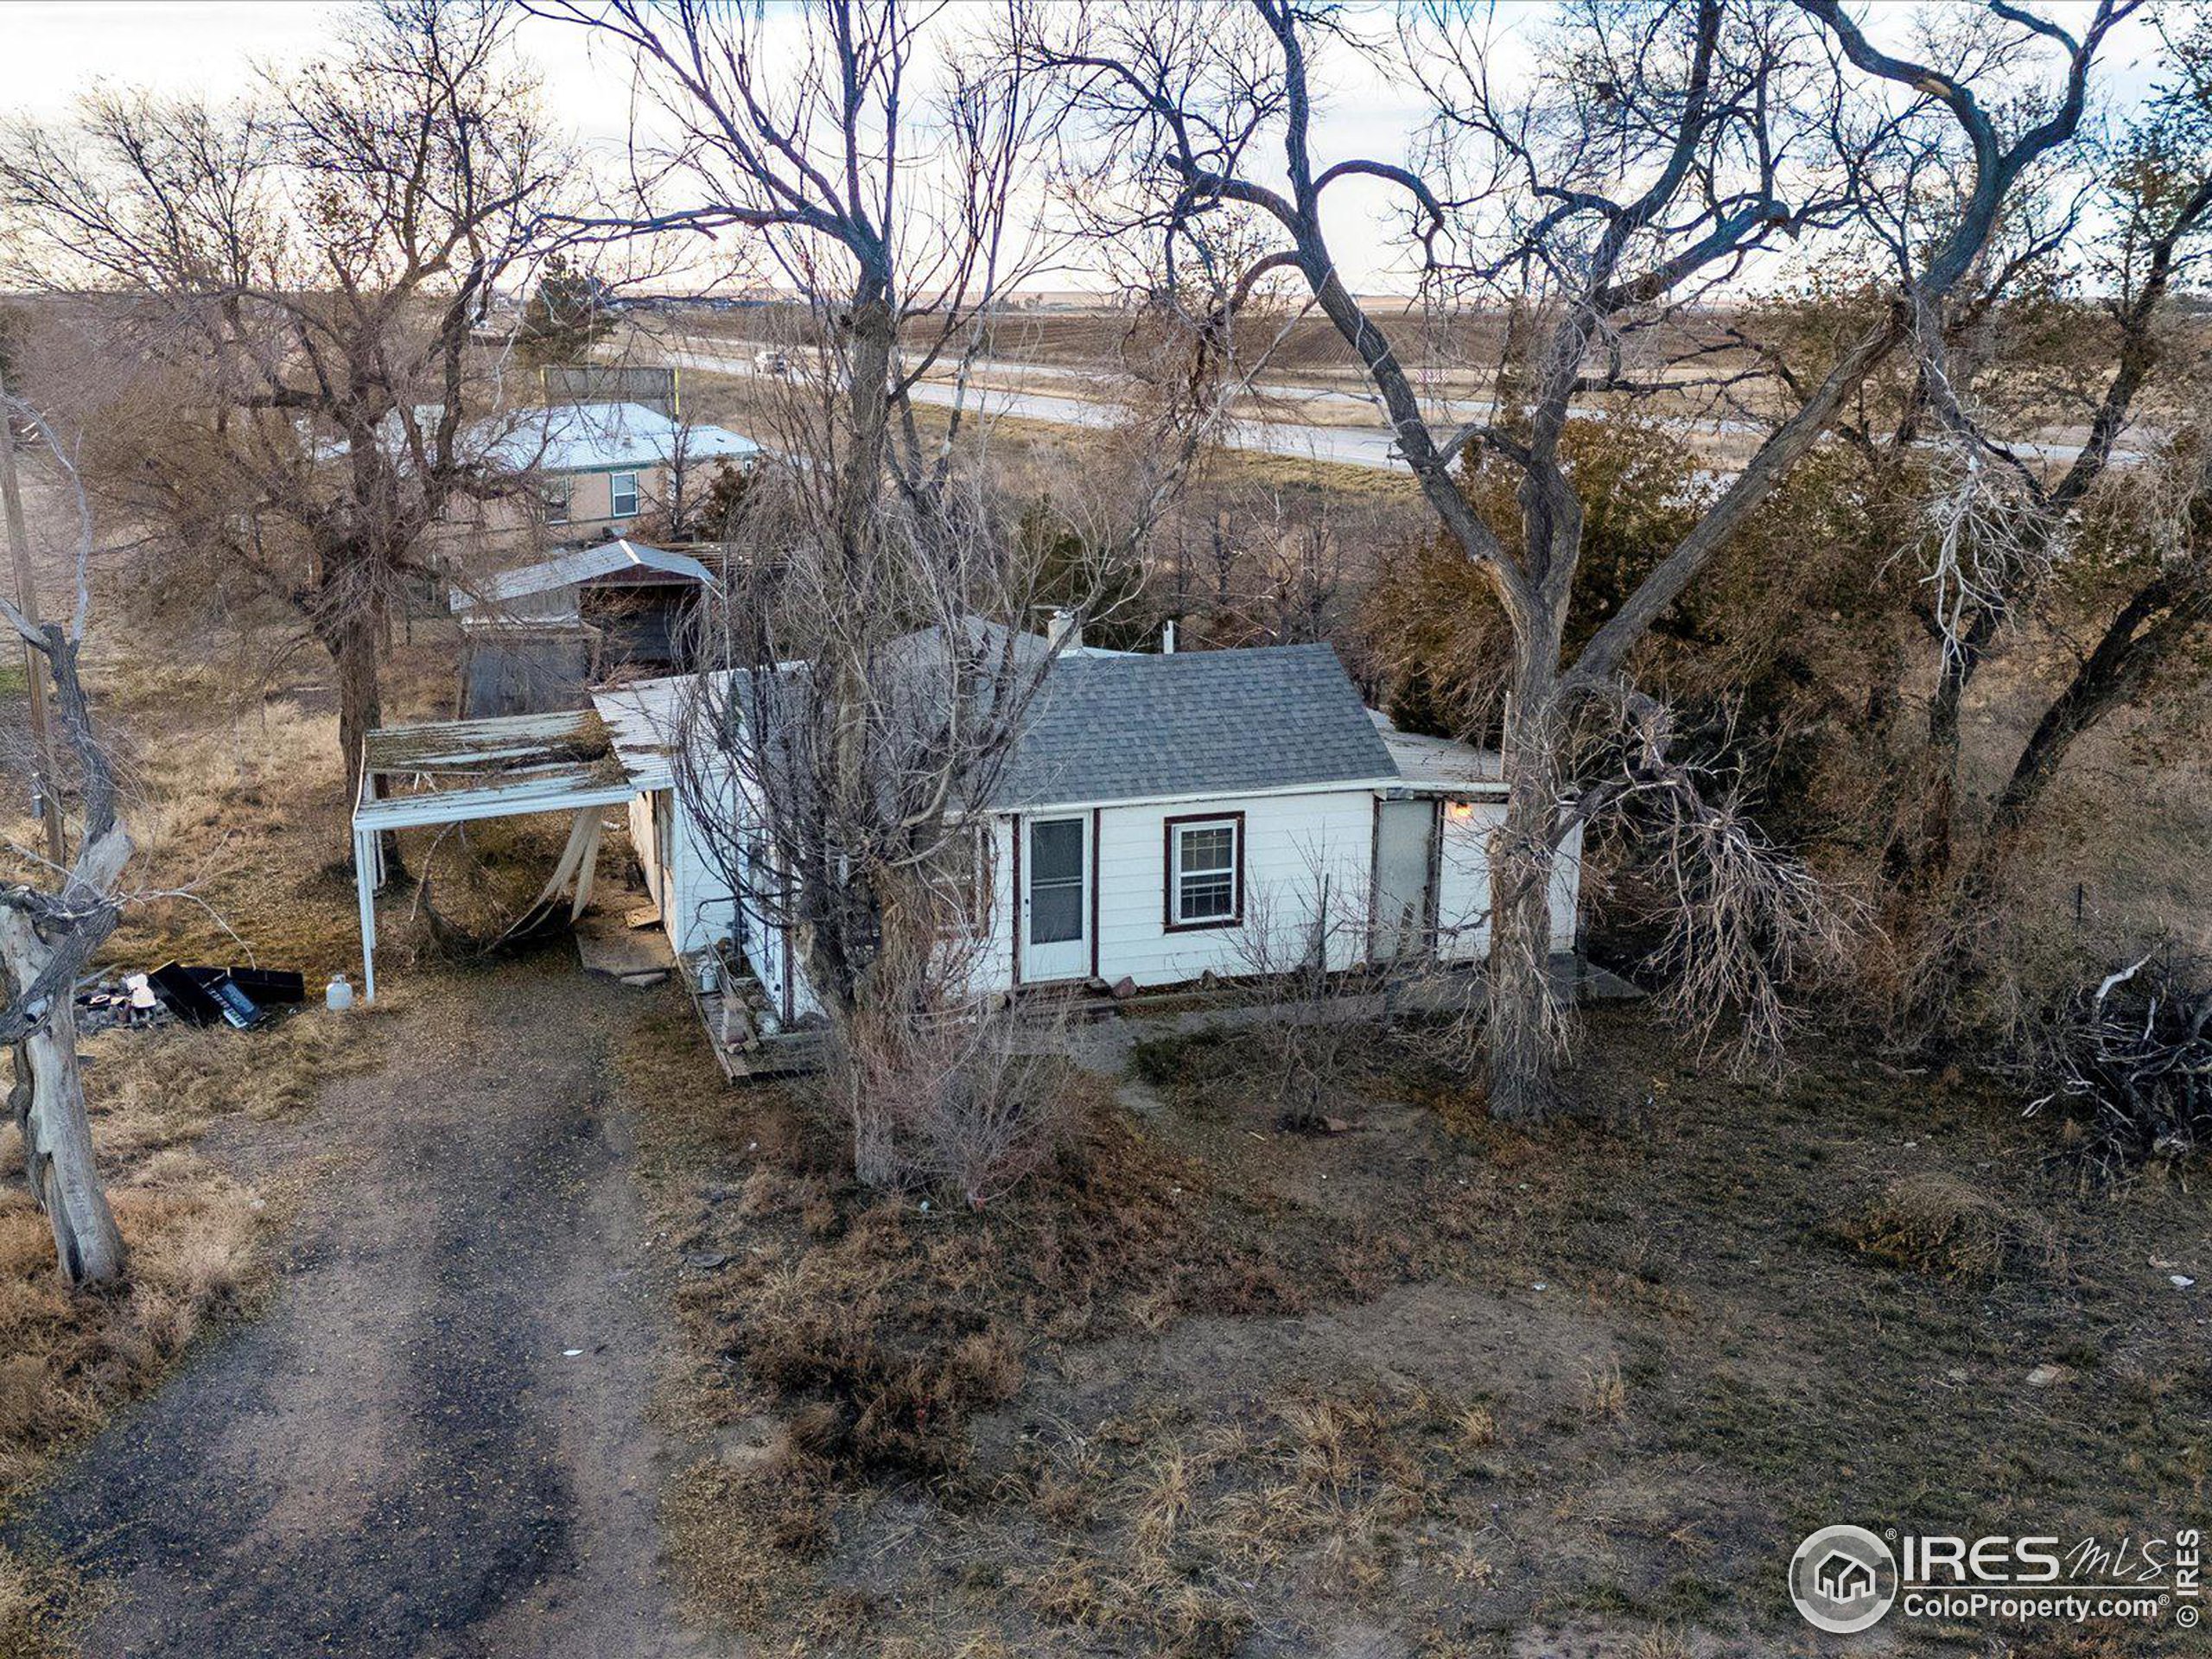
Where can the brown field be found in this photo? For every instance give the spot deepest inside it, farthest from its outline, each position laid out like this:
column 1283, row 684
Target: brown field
column 1429, row 1386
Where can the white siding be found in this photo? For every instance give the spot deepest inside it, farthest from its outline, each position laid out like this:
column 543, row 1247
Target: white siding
column 992, row 966
column 1463, row 896
column 697, row 907
column 1292, row 844
column 646, row 812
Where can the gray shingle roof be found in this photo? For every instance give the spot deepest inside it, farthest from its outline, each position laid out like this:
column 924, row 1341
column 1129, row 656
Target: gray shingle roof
column 1216, row 722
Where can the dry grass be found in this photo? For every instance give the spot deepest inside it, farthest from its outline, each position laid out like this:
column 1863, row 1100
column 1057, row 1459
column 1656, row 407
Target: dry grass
column 879, row 1329
column 38, row 1604
column 153, row 1090
column 72, row 1357
column 1184, row 1519
column 236, row 803
column 1936, row 1224
column 1881, row 1280
column 197, row 1238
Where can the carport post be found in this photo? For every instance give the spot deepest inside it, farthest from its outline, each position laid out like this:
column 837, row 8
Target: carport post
column 365, row 859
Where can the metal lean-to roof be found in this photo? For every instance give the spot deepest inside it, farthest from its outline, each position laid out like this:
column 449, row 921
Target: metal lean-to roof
column 1439, row 762
column 455, row 771
column 642, row 719
column 581, row 564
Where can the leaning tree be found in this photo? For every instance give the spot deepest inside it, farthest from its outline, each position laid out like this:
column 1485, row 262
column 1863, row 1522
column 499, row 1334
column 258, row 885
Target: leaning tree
column 2106, row 551
column 53, row 916
column 1608, row 195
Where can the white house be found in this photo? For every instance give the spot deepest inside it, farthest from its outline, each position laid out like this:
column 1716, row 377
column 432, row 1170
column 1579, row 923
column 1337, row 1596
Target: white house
column 599, row 466
column 603, row 465
column 1162, row 813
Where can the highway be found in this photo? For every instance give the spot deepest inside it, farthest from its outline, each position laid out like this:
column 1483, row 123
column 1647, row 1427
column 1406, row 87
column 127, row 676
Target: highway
column 1344, row 446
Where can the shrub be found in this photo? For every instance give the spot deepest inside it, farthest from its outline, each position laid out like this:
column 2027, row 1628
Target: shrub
column 1937, row 1224
column 969, row 1105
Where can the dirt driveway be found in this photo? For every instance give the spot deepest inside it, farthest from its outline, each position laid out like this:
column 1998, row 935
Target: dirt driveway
column 434, row 1442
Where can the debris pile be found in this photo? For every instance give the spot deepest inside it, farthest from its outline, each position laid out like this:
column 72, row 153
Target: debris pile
column 127, row 1004
column 242, row 998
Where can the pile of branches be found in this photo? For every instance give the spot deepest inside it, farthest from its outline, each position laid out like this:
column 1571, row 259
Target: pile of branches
column 2132, row 1060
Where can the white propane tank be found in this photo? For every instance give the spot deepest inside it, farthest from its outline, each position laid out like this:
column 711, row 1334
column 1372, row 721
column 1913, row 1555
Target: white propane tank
column 338, row 994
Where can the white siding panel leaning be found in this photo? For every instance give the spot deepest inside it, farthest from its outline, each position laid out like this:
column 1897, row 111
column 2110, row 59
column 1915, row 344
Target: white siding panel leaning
column 1463, row 895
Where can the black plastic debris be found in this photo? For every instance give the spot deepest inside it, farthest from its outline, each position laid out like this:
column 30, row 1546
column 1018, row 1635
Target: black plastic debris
column 270, row 986
column 239, row 997
column 185, row 996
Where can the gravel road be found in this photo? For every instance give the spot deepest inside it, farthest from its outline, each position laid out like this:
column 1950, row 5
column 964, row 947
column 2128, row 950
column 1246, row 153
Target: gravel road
column 434, row 1442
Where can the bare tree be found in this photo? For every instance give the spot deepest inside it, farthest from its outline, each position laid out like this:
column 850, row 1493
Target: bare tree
column 292, row 283
column 2007, row 527
column 2031, row 476
column 864, row 681
column 52, row 919
column 1661, row 151
column 1313, row 990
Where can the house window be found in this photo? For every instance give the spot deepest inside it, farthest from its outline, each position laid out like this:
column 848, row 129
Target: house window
column 1206, row 871
column 555, row 494
column 623, row 491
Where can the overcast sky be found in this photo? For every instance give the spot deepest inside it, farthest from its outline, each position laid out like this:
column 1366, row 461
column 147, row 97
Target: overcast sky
column 52, row 49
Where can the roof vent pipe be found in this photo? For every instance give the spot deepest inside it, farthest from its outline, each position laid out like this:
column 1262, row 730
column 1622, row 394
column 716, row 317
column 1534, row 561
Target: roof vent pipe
column 1064, row 630
column 1168, row 638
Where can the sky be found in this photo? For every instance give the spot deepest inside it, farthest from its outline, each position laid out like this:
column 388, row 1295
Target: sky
column 50, row 50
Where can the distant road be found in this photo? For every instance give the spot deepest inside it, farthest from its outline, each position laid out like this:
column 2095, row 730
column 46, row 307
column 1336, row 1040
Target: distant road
column 1344, row 446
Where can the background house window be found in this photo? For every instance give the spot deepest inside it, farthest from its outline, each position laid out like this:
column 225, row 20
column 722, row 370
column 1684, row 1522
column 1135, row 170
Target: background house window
column 555, row 497
column 1205, row 872
column 623, row 491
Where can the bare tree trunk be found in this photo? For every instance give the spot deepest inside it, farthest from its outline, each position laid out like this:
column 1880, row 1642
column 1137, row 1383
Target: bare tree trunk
column 2157, row 623
column 1523, row 1013
column 48, row 1103
column 351, row 642
column 47, row 1098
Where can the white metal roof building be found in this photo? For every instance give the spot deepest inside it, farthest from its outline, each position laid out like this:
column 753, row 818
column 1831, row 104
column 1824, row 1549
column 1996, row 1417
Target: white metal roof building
column 601, row 437
column 546, row 591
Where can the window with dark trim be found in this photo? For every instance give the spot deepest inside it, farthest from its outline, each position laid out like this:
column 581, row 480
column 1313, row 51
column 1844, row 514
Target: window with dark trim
column 622, row 495
column 1206, row 871
column 554, row 494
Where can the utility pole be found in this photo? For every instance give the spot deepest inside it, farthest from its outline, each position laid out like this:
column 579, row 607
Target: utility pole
column 19, row 542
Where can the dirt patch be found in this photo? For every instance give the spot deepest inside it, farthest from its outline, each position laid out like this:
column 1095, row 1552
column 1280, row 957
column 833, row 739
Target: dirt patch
column 1530, row 1354
column 434, row 1441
